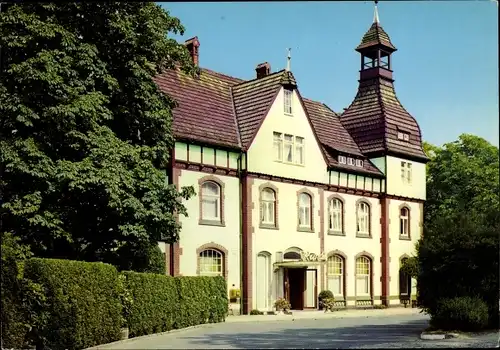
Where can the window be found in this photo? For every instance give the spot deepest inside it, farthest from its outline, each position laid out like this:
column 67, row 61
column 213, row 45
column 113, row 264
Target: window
column 404, row 222
column 288, row 101
column 299, row 150
column 210, row 201
column 268, row 207
column 288, row 148
column 350, row 161
column 335, row 275
column 406, row 172
column 305, row 202
column 404, row 281
column 342, row 160
column 210, row 262
column 335, row 215
column 278, row 146
column 359, row 163
column 403, row 136
column 363, row 276
column 363, row 218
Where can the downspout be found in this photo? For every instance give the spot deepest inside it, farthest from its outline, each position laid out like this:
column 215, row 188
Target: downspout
column 240, row 176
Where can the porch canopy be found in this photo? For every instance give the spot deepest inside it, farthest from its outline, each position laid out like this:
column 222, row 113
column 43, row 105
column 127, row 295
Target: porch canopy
column 298, row 263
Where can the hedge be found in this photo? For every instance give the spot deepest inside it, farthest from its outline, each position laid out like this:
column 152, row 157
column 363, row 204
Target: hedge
column 161, row 303
column 461, row 313
column 74, row 304
column 154, row 301
column 82, row 306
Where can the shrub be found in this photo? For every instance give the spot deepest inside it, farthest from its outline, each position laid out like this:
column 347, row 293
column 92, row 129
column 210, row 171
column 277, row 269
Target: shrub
column 281, row 304
column 328, row 304
column 256, row 312
column 461, row 313
column 153, row 308
column 82, row 305
column 325, row 294
column 219, row 305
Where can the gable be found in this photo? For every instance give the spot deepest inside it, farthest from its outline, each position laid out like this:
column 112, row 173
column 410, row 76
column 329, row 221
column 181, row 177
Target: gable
column 261, row 152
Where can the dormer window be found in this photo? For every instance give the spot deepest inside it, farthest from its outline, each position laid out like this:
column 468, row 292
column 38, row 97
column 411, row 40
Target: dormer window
column 359, row 163
column 287, row 101
column 350, row 161
column 342, row 159
column 403, row 136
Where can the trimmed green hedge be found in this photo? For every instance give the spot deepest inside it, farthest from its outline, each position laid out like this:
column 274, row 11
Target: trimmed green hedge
column 161, row 303
column 154, row 301
column 82, row 305
column 461, row 313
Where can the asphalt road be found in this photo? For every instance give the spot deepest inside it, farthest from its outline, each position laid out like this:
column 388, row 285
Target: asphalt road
column 401, row 331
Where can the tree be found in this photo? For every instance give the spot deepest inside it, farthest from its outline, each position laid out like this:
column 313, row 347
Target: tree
column 85, row 133
column 458, row 254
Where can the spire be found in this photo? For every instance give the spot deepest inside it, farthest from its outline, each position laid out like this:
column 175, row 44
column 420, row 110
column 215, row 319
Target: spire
column 289, row 58
column 375, row 14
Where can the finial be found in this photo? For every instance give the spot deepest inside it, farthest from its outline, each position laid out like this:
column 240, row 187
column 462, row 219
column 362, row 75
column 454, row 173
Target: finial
column 375, row 15
column 288, row 59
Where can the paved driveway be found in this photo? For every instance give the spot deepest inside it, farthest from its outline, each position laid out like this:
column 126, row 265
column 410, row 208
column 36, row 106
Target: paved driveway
column 393, row 331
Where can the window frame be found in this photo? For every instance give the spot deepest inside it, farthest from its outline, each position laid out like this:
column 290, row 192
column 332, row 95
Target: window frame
column 404, row 222
column 217, row 247
column 218, row 255
column 340, row 276
column 368, row 233
column 342, row 159
column 331, row 230
column 309, row 227
column 368, row 277
column 278, row 140
column 274, row 190
column 203, row 219
column 359, row 163
column 281, row 144
column 288, row 101
column 406, row 172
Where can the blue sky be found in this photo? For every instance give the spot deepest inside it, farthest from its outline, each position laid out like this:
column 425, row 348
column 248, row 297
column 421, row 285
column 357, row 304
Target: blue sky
column 445, row 69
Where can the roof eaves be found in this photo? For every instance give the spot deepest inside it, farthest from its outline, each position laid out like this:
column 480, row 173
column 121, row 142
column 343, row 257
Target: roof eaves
column 235, row 117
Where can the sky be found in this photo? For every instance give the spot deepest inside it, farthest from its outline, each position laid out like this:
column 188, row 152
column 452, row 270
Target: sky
column 445, row 69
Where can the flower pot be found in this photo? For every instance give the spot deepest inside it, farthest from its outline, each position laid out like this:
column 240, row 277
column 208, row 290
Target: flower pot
column 124, row 333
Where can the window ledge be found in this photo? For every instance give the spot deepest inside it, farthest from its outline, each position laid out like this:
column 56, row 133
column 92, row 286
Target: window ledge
column 212, row 223
column 288, row 114
column 304, row 229
column 269, row 226
column 363, row 235
column 404, row 238
column 336, row 233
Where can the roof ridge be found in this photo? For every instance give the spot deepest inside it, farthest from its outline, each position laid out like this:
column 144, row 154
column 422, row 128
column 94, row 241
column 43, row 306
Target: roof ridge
column 235, row 116
column 222, row 74
column 260, row 79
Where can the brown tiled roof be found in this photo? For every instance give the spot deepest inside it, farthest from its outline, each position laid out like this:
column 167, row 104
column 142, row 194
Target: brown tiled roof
column 216, row 109
column 374, row 117
column 252, row 100
column 204, row 111
column 376, row 35
column 334, row 137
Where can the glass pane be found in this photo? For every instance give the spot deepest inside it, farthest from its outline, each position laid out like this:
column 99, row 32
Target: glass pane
column 299, row 150
column 210, row 188
column 288, row 152
column 268, row 194
column 210, row 207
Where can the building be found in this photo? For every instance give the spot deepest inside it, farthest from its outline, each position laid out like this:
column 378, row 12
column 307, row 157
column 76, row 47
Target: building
column 292, row 197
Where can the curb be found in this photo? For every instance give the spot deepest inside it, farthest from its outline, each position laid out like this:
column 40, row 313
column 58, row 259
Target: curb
column 118, row 342
column 437, row 336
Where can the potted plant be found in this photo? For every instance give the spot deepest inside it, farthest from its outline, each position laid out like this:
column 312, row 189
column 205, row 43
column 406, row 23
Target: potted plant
column 328, row 304
column 234, row 295
column 282, row 305
column 324, row 294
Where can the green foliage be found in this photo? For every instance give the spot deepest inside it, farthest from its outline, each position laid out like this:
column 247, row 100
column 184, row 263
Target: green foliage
column 155, row 301
column 256, row 312
column 139, row 257
column 82, row 306
column 411, row 267
column 325, row 294
column 281, row 304
column 85, row 133
column 16, row 291
column 328, row 304
column 462, row 314
column 458, row 256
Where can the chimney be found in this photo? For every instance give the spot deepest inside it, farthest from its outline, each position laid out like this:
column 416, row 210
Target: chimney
column 263, row 69
column 192, row 45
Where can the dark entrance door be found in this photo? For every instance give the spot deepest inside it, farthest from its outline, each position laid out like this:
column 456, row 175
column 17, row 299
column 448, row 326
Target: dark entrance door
column 296, row 287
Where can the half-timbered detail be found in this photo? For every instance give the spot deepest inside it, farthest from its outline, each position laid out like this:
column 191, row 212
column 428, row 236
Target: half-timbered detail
column 292, row 196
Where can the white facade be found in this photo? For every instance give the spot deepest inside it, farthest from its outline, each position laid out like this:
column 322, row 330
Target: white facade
column 275, row 229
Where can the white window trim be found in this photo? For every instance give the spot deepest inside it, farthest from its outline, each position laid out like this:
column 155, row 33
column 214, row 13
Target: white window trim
column 265, row 204
column 365, row 214
column 294, row 144
column 363, row 277
column 307, row 213
column 332, row 211
column 405, row 219
column 340, row 275
column 342, row 160
column 359, row 163
column 218, row 258
column 350, row 161
column 288, row 102
column 218, row 199
column 406, row 172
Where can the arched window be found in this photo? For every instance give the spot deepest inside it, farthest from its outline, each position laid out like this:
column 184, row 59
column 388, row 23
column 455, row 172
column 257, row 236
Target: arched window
column 211, row 201
column 211, row 263
column 404, row 222
column 335, row 215
column 268, row 207
column 335, row 274
column 305, row 213
column 363, row 269
column 404, row 281
column 363, row 218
